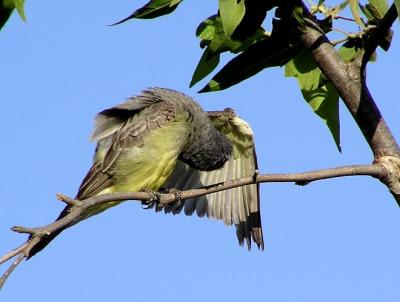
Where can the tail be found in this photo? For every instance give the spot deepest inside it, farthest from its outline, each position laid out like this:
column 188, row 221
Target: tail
column 249, row 230
column 46, row 239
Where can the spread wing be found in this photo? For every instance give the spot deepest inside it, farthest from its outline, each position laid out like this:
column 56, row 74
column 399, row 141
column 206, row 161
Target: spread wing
column 239, row 206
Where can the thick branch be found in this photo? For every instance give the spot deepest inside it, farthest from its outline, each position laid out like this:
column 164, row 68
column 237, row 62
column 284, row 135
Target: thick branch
column 79, row 206
column 349, row 81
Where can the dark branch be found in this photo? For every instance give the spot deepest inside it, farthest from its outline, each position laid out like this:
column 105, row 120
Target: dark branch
column 379, row 33
column 350, row 82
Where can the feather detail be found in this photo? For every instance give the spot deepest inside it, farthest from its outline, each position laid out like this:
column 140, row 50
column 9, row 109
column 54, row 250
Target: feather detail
column 239, row 206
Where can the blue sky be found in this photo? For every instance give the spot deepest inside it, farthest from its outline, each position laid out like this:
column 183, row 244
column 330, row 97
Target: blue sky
column 334, row 240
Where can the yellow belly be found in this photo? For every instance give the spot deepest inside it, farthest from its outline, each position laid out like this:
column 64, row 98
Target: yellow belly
column 148, row 166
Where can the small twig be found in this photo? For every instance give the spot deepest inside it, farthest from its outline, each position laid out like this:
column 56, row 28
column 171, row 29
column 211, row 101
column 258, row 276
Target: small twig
column 13, row 253
column 12, row 267
column 339, row 41
column 67, row 200
column 344, row 18
column 356, row 35
column 347, row 34
column 23, row 230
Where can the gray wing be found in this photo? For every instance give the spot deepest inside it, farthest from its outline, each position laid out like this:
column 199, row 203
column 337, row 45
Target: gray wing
column 119, row 128
column 108, row 121
column 239, row 206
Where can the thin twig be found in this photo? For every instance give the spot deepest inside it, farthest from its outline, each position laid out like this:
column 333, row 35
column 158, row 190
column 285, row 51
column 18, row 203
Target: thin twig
column 344, row 18
column 12, row 267
column 13, row 253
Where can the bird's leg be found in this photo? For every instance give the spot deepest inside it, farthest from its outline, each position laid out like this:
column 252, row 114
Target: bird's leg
column 154, row 197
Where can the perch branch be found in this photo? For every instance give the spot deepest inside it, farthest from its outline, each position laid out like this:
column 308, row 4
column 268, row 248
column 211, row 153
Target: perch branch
column 79, row 206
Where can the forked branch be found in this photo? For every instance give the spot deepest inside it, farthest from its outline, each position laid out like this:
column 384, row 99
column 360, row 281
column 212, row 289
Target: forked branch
column 349, row 79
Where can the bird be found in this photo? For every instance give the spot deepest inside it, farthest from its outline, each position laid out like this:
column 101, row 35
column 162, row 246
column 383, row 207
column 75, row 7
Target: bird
column 162, row 138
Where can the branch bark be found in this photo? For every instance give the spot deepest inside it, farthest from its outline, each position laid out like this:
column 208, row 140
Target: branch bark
column 79, row 206
column 349, row 79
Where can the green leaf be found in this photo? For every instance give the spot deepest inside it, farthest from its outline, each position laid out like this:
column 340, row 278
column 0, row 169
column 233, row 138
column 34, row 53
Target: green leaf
column 153, row 9
column 304, row 69
column 375, row 9
column 256, row 11
column 261, row 55
column 343, row 5
column 380, row 6
column 397, row 4
column 206, row 29
column 298, row 14
column 232, row 12
column 350, row 49
column 367, row 13
column 210, row 58
column 356, row 13
column 319, row 93
column 19, row 5
column 324, row 100
column 205, row 66
column 219, row 37
column 264, row 51
column 6, row 9
column 212, row 34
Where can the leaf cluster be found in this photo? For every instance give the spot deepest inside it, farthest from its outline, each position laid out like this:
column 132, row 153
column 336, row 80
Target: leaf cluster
column 238, row 28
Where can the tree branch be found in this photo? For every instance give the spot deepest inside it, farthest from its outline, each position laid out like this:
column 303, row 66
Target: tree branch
column 79, row 206
column 349, row 81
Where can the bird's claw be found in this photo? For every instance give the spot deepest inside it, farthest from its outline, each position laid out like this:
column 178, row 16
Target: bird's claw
column 154, row 198
column 178, row 198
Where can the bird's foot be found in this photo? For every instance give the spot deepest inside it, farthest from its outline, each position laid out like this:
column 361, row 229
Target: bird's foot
column 178, row 198
column 154, row 198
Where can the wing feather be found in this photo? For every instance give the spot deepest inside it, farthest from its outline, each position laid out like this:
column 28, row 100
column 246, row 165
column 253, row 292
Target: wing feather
column 127, row 129
column 239, row 206
column 109, row 120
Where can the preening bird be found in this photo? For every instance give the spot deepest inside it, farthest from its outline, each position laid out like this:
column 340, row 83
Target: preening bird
column 163, row 139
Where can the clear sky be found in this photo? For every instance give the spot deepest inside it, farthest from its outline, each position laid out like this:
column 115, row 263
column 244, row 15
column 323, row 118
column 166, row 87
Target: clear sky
column 334, row 240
